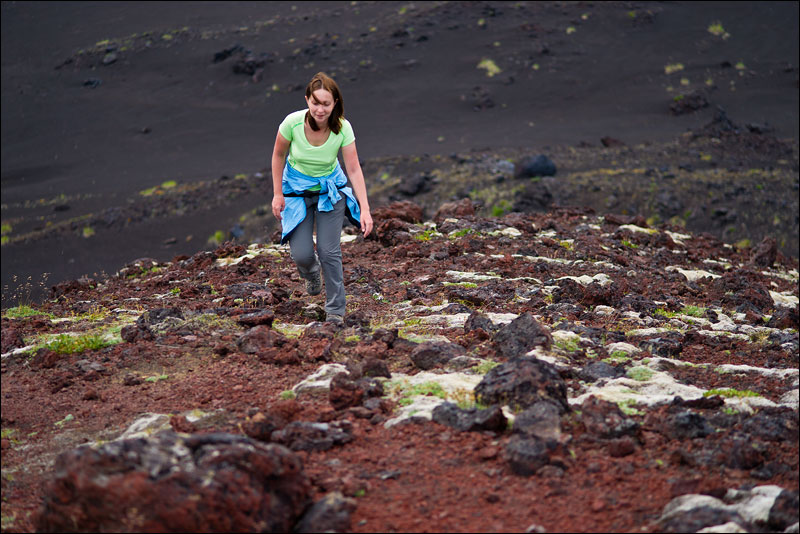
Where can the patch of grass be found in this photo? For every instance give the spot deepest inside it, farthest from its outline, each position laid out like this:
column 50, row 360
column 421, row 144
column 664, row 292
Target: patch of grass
column 484, row 367
column 67, row 344
column 641, row 374
column 693, row 311
column 20, row 312
column 461, row 233
column 731, row 393
column 568, row 345
column 664, row 313
column 618, row 356
column 470, row 285
column 430, row 389
column 628, row 407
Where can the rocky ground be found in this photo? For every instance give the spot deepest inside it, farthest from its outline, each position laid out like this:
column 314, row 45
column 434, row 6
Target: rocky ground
column 559, row 371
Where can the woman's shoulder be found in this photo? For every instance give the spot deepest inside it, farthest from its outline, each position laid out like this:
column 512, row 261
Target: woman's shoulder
column 295, row 117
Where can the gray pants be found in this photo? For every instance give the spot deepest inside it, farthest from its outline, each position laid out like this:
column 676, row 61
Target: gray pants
column 329, row 230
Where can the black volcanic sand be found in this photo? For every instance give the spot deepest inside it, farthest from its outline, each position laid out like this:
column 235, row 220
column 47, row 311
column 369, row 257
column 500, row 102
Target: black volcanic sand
column 81, row 138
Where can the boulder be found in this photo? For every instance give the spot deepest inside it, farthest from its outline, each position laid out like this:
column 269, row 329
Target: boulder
column 471, row 419
column 521, row 335
column 532, row 166
column 435, row 353
column 522, row 382
column 173, row 483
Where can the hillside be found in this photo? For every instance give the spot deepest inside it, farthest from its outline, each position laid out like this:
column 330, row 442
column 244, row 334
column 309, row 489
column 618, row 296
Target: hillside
column 558, row 371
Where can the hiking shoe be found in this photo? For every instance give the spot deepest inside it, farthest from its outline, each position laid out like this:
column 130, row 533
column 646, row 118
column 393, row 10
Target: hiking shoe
column 314, row 285
column 334, row 318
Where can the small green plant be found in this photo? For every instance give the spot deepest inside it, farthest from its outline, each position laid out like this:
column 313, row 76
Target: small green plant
column 490, row 66
column 426, row 235
column 618, row 356
column 156, row 378
column 626, row 243
column 67, row 418
column 664, row 313
column 501, row 208
column 673, row 67
column 628, row 407
column 693, row 311
column 731, row 393
column 486, row 366
column 426, row 388
column 175, row 291
column 568, row 345
column 716, row 28
column 287, row 394
column 462, row 232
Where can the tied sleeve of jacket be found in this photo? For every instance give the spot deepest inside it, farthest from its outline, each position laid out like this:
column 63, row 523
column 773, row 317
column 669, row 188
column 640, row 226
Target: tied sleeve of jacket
column 332, row 187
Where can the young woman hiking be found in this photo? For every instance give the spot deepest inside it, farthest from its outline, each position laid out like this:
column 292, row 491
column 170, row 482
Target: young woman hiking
column 310, row 187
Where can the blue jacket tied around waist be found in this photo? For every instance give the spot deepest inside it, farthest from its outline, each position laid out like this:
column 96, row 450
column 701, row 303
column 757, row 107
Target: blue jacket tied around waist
column 295, row 185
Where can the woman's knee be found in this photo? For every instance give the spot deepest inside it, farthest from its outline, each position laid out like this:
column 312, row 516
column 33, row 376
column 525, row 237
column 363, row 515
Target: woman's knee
column 329, row 254
column 304, row 258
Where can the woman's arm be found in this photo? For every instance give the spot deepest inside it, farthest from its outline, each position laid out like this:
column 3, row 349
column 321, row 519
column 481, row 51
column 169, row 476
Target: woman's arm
column 278, row 161
column 359, row 187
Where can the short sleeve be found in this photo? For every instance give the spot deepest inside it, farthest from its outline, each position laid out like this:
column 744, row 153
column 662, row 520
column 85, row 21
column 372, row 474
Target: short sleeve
column 286, row 126
column 347, row 133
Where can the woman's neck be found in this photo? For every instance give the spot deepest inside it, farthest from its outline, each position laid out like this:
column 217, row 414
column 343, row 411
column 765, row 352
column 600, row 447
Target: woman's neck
column 320, row 128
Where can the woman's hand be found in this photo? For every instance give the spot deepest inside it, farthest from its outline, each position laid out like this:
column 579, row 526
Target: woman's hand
column 366, row 222
column 279, row 203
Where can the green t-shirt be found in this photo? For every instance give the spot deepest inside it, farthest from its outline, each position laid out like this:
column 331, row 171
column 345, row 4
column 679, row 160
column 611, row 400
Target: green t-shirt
column 309, row 159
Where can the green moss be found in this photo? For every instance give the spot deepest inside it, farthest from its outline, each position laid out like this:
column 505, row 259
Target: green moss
column 693, row 311
column 287, row 394
column 618, row 356
column 426, row 388
column 485, row 367
column 642, row 374
column 731, row 393
column 20, row 312
column 67, row 344
column 628, row 407
column 568, row 345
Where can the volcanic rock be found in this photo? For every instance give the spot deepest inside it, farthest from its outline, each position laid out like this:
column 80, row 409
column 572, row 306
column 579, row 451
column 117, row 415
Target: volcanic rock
column 168, row 483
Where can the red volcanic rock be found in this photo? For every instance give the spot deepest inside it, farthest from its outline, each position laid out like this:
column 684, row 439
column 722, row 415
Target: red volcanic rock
column 164, row 483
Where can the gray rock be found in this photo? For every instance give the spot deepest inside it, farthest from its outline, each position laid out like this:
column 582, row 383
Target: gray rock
column 597, row 370
column 531, row 166
column 521, row 335
column 525, row 455
column 434, row 353
column 522, row 382
column 686, row 425
column 605, row 420
column 470, row 420
column 541, row 421
column 329, row 514
column 307, row 436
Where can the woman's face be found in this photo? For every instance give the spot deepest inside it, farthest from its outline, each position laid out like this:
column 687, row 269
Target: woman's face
column 321, row 105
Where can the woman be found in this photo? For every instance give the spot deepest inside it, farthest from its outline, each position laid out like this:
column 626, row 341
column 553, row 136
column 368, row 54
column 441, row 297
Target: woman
column 311, row 187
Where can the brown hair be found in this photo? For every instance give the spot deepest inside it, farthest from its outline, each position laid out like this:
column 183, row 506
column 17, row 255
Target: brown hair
column 323, row 81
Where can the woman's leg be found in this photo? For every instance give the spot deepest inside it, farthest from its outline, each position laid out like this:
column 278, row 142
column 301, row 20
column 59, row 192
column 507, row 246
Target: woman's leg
column 329, row 231
column 301, row 243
